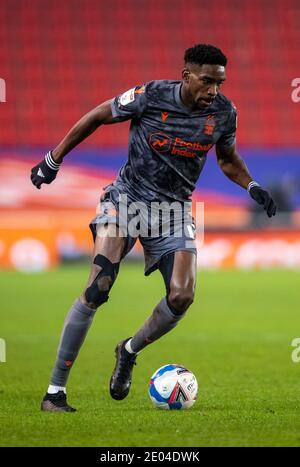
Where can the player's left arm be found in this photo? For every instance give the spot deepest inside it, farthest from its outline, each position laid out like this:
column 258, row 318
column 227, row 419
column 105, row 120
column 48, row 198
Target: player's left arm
column 234, row 167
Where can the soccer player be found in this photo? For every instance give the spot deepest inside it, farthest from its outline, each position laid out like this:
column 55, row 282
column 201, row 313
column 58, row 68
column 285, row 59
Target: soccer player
column 173, row 125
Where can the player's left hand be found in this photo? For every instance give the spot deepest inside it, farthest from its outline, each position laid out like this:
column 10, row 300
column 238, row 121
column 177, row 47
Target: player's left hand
column 262, row 197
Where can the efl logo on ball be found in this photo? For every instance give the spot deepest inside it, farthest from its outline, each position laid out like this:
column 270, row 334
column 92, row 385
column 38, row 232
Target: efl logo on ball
column 173, row 387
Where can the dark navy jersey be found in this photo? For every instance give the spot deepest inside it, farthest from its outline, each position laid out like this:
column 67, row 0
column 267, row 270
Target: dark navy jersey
column 168, row 142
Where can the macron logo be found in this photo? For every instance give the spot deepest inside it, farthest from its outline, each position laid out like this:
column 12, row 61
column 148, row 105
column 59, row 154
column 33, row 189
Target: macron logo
column 40, row 173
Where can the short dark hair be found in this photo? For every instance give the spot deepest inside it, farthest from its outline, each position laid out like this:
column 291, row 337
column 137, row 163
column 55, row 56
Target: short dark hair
column 201, row 54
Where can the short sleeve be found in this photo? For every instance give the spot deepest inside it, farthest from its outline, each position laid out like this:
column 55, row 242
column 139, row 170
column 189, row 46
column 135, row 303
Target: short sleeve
column 228, row 137
column 129, row 105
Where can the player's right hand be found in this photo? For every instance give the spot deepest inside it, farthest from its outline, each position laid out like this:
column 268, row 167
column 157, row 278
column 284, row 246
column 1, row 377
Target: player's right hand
column 45, row 171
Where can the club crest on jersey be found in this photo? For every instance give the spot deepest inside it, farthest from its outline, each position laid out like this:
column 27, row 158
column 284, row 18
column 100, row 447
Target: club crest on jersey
column 209, row 125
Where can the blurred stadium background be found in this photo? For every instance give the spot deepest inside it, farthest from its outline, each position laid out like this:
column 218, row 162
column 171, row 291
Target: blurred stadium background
column 60, row 59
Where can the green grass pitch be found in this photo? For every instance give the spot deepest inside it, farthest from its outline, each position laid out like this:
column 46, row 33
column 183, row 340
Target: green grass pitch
column 236, row 338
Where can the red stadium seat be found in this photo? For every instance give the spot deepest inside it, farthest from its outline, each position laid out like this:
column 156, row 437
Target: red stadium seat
column 63, row 59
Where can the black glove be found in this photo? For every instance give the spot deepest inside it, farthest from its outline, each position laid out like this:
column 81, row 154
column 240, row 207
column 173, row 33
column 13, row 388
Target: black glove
column 45, row 171
column 262, row 197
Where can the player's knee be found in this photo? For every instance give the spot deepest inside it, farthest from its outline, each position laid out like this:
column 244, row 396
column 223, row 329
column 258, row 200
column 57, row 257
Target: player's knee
column 180, row 298
column 88, row 303
column 97, row 292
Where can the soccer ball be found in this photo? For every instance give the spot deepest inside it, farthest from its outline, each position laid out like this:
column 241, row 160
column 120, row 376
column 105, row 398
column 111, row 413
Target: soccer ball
column 173, row 387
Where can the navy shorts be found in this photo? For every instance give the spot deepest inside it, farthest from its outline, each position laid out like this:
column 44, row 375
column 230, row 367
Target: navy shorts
column 165, row 237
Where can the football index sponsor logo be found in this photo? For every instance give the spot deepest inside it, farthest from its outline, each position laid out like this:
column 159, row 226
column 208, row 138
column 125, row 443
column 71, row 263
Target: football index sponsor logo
column 2, row 351
column 161, row 142
column 2, row 90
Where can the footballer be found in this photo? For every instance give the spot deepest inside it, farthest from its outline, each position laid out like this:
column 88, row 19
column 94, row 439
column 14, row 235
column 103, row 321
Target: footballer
column 173, row 126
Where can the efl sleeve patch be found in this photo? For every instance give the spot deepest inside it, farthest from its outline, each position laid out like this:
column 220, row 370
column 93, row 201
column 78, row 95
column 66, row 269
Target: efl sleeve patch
column 127, row 97
column 131, row 104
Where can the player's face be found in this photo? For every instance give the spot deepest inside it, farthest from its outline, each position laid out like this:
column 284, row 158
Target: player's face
column 201, row 84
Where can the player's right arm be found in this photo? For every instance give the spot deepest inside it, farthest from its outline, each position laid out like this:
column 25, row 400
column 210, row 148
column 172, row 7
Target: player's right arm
column 130, row 104
column 46, row 170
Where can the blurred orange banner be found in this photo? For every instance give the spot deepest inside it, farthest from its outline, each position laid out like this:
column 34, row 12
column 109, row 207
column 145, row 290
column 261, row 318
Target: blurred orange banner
column 34, row 240
column 250, row 249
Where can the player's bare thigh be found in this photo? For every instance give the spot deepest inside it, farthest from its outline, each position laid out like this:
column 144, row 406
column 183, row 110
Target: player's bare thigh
column 107, row 244
column 183, row 280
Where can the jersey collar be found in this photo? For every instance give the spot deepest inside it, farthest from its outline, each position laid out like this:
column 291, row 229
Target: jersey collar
column 178, row 97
